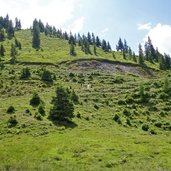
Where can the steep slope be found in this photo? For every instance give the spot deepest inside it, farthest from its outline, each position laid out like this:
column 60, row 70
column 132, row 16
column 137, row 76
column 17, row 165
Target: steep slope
column 114, row 128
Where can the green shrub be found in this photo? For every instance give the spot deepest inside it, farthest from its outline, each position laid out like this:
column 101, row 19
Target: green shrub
column 25, row 73
column 145, row 127
column 11, row 109
column 158, row 124
column 12, row 122
column 128, row 122
column 129, row 100
column 96, row 106
column 47, row 76
column 38, row 116
column 153, row 132
column 79, row 115
column 71, row 74
column 41, row 110
column 126, row 112
column 116, row 117
column 121, row 102
column 35, row 100
column 74, row 97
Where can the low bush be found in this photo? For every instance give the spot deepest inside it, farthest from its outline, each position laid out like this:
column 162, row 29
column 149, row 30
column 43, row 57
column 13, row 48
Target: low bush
column 38, row 116
column 12, row 122
column 145, row 127
column 41, row 109
column 11, row 110
column 35, row 100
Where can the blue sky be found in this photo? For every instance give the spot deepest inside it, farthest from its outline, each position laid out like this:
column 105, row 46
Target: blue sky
column 133, row 20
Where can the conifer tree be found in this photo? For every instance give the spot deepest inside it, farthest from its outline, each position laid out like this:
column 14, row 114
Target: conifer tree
column 62, row 105
column 98, row 42
column 134, row 57
column 89, row 38
column 13, row 54
column 94, row 49
column 10, row 30
column 72, row 50
column 2, row 50
column 36, row 35
column 2, row 35
column 141, row 57
column 120, row 45
column 104, row 45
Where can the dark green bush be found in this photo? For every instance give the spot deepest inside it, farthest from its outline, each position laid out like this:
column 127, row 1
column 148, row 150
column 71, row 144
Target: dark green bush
column 158, row 124
column 145, row 127
column 128, row 122
column 121, row 102
column 38, row 116
column 41, row 110
column 126, row 112
column 96, row 106
column 11, row 109
column 12, row 122
column 153, row 132
column 35, row 100
column 25, row 73
column 129, row 100
column 47, row 76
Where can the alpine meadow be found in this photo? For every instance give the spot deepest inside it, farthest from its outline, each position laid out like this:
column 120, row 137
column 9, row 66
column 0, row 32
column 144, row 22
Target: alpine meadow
column 71, row 102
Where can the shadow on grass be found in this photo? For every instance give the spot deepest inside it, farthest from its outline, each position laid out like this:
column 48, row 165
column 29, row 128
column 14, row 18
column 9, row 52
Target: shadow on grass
column 64, row 122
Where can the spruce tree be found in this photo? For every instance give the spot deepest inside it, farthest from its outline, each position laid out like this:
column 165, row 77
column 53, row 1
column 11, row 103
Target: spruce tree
column 95, row 50
column 63, row 107
column 10, row 30
column 141, row 58
column 2, row 50
column 36, row 35
column 2, row 35
column 98, row 42
column 13, row 54
column 72, row 50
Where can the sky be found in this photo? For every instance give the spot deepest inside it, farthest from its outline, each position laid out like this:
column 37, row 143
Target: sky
column 133, row 20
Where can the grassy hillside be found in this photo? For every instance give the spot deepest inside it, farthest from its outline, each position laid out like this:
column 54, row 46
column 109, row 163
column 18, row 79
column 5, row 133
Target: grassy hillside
column 113, row 128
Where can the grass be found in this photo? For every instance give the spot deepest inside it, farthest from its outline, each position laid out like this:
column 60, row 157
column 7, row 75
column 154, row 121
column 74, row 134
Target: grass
column 96, row 141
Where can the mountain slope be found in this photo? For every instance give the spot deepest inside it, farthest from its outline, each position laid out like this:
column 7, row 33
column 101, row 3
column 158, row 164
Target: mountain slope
column 115, row 127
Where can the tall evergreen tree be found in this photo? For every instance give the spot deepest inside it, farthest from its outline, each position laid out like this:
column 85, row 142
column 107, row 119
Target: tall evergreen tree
column 162, row 62
column 120, row 45
column 89, row 38
column 2, row 35
column 134, row 57
column 36, row 35
column 72, row 50
column 94, row 49
column 167, row 61
column 13, row 54
column 141, row 56
column 104, row 45
column 17, row 24
column 2, row 50
column 125, row 46
column 62, row 105
column 93, row 38
column 10, row 30
column 98, row 42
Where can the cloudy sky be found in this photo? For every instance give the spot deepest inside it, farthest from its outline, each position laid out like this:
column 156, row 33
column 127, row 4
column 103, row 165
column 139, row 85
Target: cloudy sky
column 133, row 20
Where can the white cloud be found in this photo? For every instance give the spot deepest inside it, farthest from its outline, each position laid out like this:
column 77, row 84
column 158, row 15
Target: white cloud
column 161, row 37
column 77, row 25
column 104, row 30
column 55, row 12
column 146, row 26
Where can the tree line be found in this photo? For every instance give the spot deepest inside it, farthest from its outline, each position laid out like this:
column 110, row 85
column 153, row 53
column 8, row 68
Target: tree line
column 83, row 41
